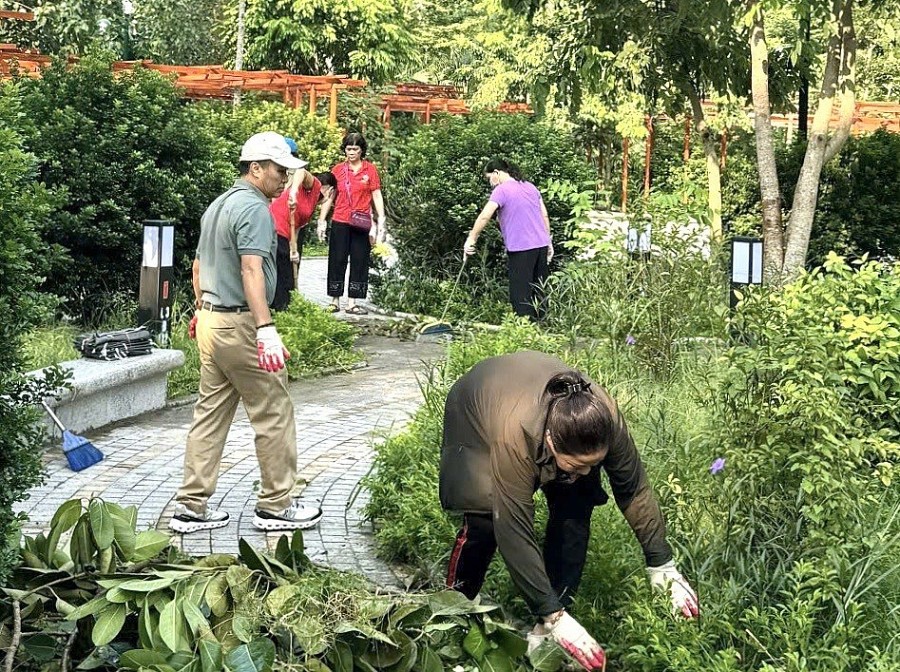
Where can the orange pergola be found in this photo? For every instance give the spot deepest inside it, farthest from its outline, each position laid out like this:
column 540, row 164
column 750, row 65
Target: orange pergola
column 426, row 99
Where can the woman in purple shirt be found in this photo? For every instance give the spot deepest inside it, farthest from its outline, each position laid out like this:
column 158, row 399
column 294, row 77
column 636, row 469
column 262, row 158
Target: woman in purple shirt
column 525, row 227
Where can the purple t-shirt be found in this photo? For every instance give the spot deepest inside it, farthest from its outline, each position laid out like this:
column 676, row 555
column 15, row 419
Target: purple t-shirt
column 521, row 221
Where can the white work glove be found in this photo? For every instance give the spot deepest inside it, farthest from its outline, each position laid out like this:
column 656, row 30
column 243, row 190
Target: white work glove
column 550, row 252
column 382, row 229
column 571, row 636
column 667, row 578
column 469, row 246
column 321, row 226
column 295, row 257
column 270, row 350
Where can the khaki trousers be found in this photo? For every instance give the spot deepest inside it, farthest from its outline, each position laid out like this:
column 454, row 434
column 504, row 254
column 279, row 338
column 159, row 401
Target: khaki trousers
column 229, row 371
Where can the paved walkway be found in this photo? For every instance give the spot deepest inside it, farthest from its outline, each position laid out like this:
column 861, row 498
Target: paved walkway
column 338, row 420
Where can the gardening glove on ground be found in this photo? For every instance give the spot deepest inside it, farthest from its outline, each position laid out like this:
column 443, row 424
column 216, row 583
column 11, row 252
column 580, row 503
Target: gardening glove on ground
column 571, row 636
column 192, row 328
column 321, row 225
column 270, row 350
column 684, row 600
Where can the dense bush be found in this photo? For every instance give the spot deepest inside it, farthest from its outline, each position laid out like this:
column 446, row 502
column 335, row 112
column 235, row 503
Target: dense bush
column 118, row 149
column 436, row 189
column 23, row 205
column 792, row 547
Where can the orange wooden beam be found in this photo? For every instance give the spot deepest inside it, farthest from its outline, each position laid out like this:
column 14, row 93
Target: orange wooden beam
column 16, row 16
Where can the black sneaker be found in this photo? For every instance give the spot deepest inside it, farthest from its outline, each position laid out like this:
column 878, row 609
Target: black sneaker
column 185, row 520
column 296, row 517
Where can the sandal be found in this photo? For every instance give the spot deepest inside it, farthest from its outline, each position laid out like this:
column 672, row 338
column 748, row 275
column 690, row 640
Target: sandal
column 356, row 310
column 332, row 308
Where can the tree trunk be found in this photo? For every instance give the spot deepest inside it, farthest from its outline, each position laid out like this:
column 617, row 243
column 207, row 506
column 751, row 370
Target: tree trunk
column 840, row 63
column 770, row 195
column 239, row 47
column 713, row 172
column 803, row 97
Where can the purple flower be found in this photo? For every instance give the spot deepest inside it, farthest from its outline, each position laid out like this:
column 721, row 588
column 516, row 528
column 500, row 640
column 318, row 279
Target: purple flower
column 717, row 466
column 630, row 340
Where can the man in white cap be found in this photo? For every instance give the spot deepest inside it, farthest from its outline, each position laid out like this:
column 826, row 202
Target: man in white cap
column 241, row 354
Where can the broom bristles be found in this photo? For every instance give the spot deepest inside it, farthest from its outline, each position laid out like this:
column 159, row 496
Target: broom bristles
column 80, row 452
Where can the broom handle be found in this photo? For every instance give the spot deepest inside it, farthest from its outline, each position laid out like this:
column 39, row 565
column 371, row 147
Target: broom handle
column 453, row 290
column 53, row 416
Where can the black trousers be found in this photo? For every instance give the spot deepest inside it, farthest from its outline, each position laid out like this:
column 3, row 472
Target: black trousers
column 527, row 271
column 347, row 243
column 565, row 542
column 284, row 270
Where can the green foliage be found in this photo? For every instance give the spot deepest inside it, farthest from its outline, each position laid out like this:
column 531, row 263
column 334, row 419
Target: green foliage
column 183, row 32
column 437, row 189
column 656, row 307
column 318, row 142
column 370, row 40
column 46, row 346
column 124, row 148
column 316, row 340
column 69, row 26
column 23, row 206
column 116, row 598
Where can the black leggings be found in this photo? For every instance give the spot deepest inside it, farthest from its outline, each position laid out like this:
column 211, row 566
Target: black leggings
column 565, row 542
column 348, row 243
column 527, row 271
column 284, row 270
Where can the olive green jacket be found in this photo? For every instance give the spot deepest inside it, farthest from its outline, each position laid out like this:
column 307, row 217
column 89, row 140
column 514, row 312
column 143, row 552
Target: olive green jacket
column 493, row 459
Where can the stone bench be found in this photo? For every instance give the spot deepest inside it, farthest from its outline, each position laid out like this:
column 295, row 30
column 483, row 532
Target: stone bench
column 104, row 392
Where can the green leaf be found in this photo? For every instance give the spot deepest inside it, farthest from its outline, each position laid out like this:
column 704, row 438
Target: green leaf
column 454, row 603
column 341, row 657
column 496, row 661
column 89, row 608
column 210, row 655
column 171, row 627
column 283, row 550
column 475, row 643
column 247, row 659
column 40, row 647
column 548, row 657
column 429, row 661
column 135, row 659
column 217, row 595
column 148, row 626
column 148, row 544
column 195, row 619
column 146, row 585
column 109, row 623
column 81, row 546
column 63, row 520
column 514, row 645
column 123, row 529
column 101, row 524
column 242, row 628
column 254, row 560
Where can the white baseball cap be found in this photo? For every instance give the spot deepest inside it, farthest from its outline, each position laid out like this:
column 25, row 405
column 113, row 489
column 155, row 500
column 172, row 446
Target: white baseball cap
column 270, row 146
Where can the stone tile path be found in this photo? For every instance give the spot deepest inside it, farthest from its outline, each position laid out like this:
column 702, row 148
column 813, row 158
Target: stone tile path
column 338, row 420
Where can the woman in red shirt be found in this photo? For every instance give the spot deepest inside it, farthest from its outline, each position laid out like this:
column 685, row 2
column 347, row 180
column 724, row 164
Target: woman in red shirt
column 304, row 194
column 352, row 232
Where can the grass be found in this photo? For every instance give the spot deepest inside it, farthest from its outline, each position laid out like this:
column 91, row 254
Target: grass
column 47, row 346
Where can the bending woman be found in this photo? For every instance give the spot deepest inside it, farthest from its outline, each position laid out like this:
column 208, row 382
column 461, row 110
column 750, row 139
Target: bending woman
column 525, row 227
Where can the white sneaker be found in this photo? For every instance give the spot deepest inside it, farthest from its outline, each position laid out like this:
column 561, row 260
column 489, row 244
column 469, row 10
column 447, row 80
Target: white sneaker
column 295, row 517
column 186, row 520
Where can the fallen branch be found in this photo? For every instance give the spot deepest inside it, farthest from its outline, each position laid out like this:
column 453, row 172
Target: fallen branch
column 16, row 637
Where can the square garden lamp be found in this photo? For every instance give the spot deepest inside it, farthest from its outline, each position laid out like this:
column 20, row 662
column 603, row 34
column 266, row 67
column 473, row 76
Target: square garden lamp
column 746, row 265
column 157, row 291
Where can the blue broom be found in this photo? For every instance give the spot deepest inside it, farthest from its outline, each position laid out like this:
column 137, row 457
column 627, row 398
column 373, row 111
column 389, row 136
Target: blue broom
column 80, row 452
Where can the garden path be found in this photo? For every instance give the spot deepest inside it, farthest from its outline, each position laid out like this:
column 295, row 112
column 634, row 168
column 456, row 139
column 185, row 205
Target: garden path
column 338, row 418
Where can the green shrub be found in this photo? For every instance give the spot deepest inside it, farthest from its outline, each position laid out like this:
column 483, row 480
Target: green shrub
column 119, row 149
column 23, row 205
column 436, row 189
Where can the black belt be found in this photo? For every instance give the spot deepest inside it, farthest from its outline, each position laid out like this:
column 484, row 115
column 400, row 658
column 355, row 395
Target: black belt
column 206, row 305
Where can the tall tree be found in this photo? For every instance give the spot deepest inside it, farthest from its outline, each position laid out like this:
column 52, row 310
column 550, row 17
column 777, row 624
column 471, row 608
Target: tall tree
column 371, row 39
column 786, row 245
column 675, row 53
column 180, row 32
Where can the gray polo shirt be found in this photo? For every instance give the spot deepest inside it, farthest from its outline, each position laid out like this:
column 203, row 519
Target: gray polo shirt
column 237, row 223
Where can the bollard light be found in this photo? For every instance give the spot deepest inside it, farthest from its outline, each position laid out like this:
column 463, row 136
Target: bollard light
column 157, row 291
column 746, row 264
